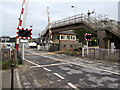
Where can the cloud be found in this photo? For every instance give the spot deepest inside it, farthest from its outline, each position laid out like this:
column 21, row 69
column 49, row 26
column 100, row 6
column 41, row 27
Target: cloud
column 37, row 12
column 61, row 0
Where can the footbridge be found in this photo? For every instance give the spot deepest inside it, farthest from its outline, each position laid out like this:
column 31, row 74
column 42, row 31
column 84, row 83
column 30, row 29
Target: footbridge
column 107, row 30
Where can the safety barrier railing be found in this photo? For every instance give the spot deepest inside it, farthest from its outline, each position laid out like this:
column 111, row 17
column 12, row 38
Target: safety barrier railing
column 102, row 54
column 89, row 21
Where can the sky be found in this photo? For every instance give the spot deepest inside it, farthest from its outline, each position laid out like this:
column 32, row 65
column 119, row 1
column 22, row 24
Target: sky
column 59, row 9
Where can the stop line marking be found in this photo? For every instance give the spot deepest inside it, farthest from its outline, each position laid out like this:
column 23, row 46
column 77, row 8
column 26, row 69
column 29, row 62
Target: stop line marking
column 68, row 62
column 48, row 65
column 72, row 86
column 59, row 75
column 33, row 63
column 47, row 69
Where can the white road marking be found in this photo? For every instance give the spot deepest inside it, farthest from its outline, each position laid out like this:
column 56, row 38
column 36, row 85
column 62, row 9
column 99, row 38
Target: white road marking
column 53, row 64
column 18, row 79
column 85, row 66
column 72, row 86
column 34, row 66
column 95, row 68
column 48, row 65
column 80, row 64
column 52, row 58
column 47, row 69
column 59, row 75
column 33, row 63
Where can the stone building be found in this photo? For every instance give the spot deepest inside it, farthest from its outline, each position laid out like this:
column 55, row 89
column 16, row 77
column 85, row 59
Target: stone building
column 62, row 41
column 66, row 40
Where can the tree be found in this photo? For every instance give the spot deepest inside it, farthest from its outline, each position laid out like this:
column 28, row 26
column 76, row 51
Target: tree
column 80, row 35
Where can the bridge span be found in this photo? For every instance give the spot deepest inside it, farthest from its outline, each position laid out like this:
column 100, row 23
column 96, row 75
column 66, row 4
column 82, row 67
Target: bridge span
column 107, row 30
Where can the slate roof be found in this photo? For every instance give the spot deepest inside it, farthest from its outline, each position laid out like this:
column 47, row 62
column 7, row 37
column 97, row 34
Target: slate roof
column 69, row 32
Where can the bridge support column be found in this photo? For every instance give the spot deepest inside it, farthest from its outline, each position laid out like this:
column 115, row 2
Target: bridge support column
column 109, row 44
column 101, row 35
column 104, row 39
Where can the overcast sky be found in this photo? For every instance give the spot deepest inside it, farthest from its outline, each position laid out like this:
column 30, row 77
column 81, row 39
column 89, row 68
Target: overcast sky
column 59, row 9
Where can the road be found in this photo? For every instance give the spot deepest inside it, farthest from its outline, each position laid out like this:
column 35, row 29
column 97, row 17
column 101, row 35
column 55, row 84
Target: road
column 48, row 70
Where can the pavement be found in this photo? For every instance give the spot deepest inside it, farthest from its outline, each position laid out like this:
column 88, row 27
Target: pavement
column 6, row 79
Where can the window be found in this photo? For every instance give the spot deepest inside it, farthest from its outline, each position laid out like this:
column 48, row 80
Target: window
column 68, row 37
column 64, row 46
column 71, row 46
column 73, row 37
column 62, row 37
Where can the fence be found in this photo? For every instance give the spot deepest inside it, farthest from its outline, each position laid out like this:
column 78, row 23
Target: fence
column 102, row 54
column 8, row 56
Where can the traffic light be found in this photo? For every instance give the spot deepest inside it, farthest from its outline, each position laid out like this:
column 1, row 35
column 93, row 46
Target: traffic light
column 87, row 37
column 24, row 33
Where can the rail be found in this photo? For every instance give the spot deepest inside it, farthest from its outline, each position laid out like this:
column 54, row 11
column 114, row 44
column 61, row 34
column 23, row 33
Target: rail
column 92, row 22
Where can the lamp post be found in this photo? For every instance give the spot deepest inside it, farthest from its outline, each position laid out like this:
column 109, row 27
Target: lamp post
column 74, row 8
column 75, row 11
column 89, row 13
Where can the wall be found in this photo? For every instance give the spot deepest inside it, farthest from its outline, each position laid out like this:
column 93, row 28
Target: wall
column 67, row 43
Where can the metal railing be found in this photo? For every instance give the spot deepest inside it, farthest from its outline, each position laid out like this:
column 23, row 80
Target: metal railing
column 92, row 22
column 102, row 54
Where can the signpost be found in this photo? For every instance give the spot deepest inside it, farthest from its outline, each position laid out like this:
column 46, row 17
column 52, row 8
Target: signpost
column 87, row 38
column 24, row 34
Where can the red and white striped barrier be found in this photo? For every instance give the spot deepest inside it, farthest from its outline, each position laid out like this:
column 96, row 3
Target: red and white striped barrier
column 20, row 23
column 49, row 27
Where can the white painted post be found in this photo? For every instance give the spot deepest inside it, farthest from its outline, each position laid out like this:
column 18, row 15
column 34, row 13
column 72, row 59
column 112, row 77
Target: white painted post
column 87, row 47
column 23, row 57
column 82, row 52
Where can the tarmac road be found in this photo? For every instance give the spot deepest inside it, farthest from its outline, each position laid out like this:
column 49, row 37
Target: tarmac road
column 47, row 70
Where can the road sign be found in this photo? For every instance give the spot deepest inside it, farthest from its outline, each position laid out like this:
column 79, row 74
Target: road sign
column 87, row 37
column 24, row 33
column 24, row 41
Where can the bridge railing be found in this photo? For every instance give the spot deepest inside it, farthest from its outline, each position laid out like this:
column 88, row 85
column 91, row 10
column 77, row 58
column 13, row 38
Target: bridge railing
column 110, row 25
column 89, row 21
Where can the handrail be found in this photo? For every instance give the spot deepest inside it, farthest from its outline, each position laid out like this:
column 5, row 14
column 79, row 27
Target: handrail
column 90, row 21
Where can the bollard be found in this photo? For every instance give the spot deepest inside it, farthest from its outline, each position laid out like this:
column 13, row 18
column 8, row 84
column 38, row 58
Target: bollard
column 12, row 76
column 82, row 52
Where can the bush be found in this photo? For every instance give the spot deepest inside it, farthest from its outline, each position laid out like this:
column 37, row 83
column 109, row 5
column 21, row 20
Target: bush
column 6, row 64
column 19, row 58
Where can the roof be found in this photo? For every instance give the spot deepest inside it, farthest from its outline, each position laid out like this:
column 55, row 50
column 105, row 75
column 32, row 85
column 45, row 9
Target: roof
column 70, row 32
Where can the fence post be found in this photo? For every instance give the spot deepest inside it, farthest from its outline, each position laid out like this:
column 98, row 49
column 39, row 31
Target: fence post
column 119, row 55
column 82, row 52
column 94, row 52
